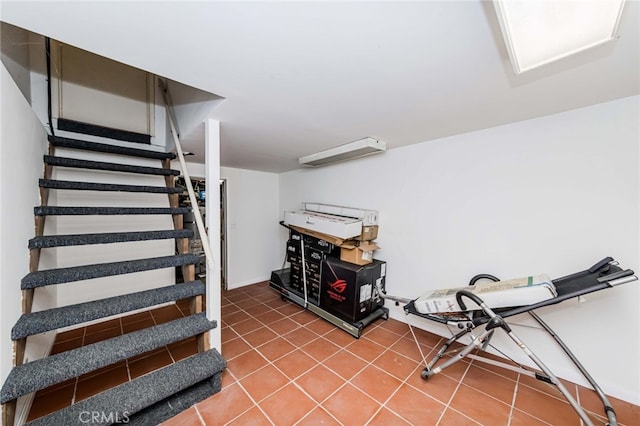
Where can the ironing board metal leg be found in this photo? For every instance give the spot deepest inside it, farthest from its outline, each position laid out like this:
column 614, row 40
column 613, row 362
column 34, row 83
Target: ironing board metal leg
column 476, row 342
column 497, row 321
column 552, row 378
column 611, row 414
column 445, row 347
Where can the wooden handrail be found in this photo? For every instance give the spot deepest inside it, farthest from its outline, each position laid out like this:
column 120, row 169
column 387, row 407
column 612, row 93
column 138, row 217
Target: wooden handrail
column 192, row 197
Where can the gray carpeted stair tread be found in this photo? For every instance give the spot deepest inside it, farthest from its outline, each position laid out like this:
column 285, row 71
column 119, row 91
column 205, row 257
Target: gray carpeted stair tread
column 100, row 165
column 132, row 397
column 175, row 404
column 48, row 371
column 93, row 186
column 106, row 238
column 66, row 316
column 106, row 211
column 110, row 149
column 85, row 272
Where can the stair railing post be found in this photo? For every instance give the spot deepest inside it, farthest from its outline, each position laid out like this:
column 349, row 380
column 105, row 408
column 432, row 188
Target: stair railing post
column 196, row 304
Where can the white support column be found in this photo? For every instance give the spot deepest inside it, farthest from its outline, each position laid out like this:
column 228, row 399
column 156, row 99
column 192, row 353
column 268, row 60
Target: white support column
column 212, row 175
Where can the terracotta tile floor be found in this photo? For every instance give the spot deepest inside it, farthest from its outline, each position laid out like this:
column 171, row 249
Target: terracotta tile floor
column 66, row 393
column 286, row 366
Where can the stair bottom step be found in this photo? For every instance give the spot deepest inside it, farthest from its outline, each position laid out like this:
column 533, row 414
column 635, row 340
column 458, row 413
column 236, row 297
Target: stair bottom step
column 174, row 383
column 174, row 405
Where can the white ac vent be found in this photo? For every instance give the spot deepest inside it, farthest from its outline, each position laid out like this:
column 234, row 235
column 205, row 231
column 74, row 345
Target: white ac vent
column 359, row 148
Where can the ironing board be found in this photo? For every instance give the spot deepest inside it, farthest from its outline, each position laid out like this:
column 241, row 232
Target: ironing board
column 480, row 325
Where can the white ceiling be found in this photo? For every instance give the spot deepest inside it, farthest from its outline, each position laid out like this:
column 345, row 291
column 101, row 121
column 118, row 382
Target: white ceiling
column 299, row 77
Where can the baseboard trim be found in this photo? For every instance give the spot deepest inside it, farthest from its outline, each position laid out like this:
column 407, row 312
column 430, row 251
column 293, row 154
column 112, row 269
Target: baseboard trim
column 232, row 286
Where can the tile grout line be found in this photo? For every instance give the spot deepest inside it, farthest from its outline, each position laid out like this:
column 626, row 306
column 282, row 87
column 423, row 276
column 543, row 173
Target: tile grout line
column 518, row 382
column 255, row 404
column 402, row 382
column 513, row 399
column 292, row 380
column 269, row 362
column 202, row 422
column 77, row 379
column 471, row 364
column 126, row 361
column 453, row 394
column 120, row 326
column 318, row 406
column 347, row 381
column 368, row 364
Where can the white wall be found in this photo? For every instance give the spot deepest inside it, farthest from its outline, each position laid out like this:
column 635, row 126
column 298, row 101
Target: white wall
column 15, row 55
column 252, row 223
column 22, row 144
column 553, row 194
column 191, row 107
column 82, row 291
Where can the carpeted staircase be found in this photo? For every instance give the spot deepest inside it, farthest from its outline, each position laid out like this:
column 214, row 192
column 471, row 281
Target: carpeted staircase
column 156, row 396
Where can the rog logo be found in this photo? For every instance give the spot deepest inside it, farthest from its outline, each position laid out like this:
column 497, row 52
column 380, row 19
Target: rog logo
column 339, row 286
